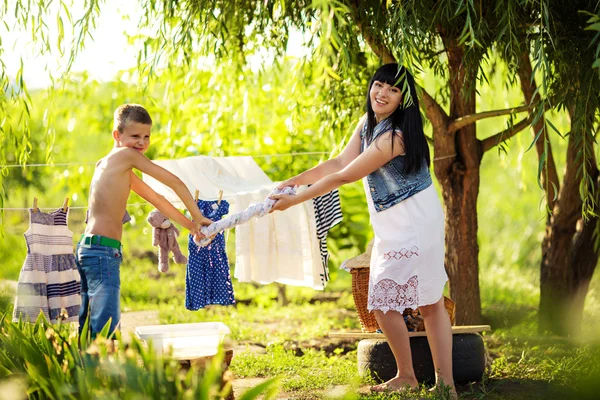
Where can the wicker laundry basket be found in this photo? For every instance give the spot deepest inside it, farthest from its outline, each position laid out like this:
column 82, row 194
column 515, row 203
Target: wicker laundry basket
column 360, row 268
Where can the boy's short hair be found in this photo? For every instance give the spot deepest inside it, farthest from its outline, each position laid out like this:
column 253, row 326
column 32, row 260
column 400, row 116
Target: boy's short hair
column 130, row 113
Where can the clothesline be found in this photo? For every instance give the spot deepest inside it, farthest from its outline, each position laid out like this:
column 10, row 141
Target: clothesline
column 56, row 208
column 308, row 153
column 135, row 204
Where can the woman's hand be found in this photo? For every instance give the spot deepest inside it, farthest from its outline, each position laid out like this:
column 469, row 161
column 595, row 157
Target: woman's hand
column 293, row 181
column 284, row 201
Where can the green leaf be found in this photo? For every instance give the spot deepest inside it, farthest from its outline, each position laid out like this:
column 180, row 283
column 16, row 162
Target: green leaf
column 268, row 388
column 537, row 136
column 593, row 27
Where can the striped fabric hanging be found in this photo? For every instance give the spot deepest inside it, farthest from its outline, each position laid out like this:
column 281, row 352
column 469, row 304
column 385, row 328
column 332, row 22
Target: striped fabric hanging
column 49, row 281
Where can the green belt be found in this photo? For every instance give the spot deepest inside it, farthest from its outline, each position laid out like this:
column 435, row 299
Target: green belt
column 100, row 240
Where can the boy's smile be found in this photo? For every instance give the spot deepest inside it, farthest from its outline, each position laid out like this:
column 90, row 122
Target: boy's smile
column 135, row 136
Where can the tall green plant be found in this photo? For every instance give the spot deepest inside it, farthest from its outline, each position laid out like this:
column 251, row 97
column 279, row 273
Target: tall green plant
column 57, row 363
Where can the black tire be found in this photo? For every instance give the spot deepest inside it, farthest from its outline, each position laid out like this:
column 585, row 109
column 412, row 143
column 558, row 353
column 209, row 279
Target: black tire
column 375, row 359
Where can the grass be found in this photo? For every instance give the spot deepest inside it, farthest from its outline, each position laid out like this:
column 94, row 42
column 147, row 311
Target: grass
column 291, row 341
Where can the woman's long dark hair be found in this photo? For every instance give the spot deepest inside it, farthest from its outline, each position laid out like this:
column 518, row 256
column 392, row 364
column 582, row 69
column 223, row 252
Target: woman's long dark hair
column 406, row 118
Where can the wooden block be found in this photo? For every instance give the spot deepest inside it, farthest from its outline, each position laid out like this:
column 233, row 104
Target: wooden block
column 364, row 335
column 202, row 362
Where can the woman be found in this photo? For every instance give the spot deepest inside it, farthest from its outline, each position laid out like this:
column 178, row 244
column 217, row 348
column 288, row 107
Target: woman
column 389, row 151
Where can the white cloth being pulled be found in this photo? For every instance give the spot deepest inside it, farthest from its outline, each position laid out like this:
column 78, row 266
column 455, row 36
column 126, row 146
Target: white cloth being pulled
column 254, row 210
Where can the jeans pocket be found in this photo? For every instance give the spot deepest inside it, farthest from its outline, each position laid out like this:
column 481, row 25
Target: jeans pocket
column 113, row 271
column 92, row 268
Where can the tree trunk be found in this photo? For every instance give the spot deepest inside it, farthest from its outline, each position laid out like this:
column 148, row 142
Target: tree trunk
column 570, row 258
column 568, row 253
column 459, row 179
column 554, row 274
column 583, row 263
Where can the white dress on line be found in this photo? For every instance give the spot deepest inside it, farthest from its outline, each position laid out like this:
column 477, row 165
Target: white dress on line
column 407, row 261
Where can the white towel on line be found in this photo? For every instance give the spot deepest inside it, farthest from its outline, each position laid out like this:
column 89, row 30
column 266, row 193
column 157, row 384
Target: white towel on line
column 280, row 247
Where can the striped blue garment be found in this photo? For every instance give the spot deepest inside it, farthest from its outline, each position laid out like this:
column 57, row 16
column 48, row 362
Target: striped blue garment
column 328, row 213
column 49, row 281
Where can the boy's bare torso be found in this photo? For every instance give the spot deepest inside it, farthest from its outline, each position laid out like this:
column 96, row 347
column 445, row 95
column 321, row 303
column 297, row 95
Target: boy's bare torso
column 109, row 192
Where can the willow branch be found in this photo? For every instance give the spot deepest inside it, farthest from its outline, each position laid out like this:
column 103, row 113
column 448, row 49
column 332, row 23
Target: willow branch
column 378, row 48
column 435, row 113
column 492, row 141
column 469, row 119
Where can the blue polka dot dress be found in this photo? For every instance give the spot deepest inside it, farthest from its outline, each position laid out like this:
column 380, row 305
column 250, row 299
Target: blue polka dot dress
column 208, row 280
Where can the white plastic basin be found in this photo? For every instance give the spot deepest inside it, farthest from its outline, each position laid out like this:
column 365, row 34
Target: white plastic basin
column 186, row 340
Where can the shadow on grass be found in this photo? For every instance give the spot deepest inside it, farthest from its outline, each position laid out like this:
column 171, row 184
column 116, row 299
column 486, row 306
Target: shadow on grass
column 501, row 316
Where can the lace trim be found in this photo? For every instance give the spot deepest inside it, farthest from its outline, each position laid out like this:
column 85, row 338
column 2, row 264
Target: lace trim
column 388, row 295
column 403, row 252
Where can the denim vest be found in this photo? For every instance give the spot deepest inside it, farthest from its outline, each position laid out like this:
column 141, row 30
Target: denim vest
column 389, row 185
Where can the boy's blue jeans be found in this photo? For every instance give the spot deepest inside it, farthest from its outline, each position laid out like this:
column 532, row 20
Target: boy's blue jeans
column 99, row 267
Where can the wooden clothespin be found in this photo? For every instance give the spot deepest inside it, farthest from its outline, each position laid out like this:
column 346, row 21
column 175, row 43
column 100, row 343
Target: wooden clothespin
column 196, row 195
column 66, row 204
column 220, row 197
column 35, row 207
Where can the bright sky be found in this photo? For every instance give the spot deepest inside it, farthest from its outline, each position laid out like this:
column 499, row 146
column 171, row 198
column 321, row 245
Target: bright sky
column 102, row 57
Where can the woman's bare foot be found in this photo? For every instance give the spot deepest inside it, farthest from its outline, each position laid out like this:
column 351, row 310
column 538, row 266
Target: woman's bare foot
column 446, row 392
column 397, row 384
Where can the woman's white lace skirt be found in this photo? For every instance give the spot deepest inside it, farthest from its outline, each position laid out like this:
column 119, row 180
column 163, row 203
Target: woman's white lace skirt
column 407, row 261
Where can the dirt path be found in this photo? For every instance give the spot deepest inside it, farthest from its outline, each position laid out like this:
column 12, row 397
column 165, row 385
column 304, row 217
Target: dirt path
column 130, row 320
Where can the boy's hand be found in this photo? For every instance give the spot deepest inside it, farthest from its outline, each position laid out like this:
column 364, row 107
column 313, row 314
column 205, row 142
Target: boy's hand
column 196, row 233
column 203, row 221
column 198, row 236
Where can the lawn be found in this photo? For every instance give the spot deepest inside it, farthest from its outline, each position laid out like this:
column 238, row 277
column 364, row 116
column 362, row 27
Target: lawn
column 291, row 341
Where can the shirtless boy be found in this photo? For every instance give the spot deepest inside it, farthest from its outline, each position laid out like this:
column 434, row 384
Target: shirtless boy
column 99, row 252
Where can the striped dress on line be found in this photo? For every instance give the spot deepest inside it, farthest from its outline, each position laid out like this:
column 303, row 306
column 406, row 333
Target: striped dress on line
column 49, row 280
column 328, row 213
